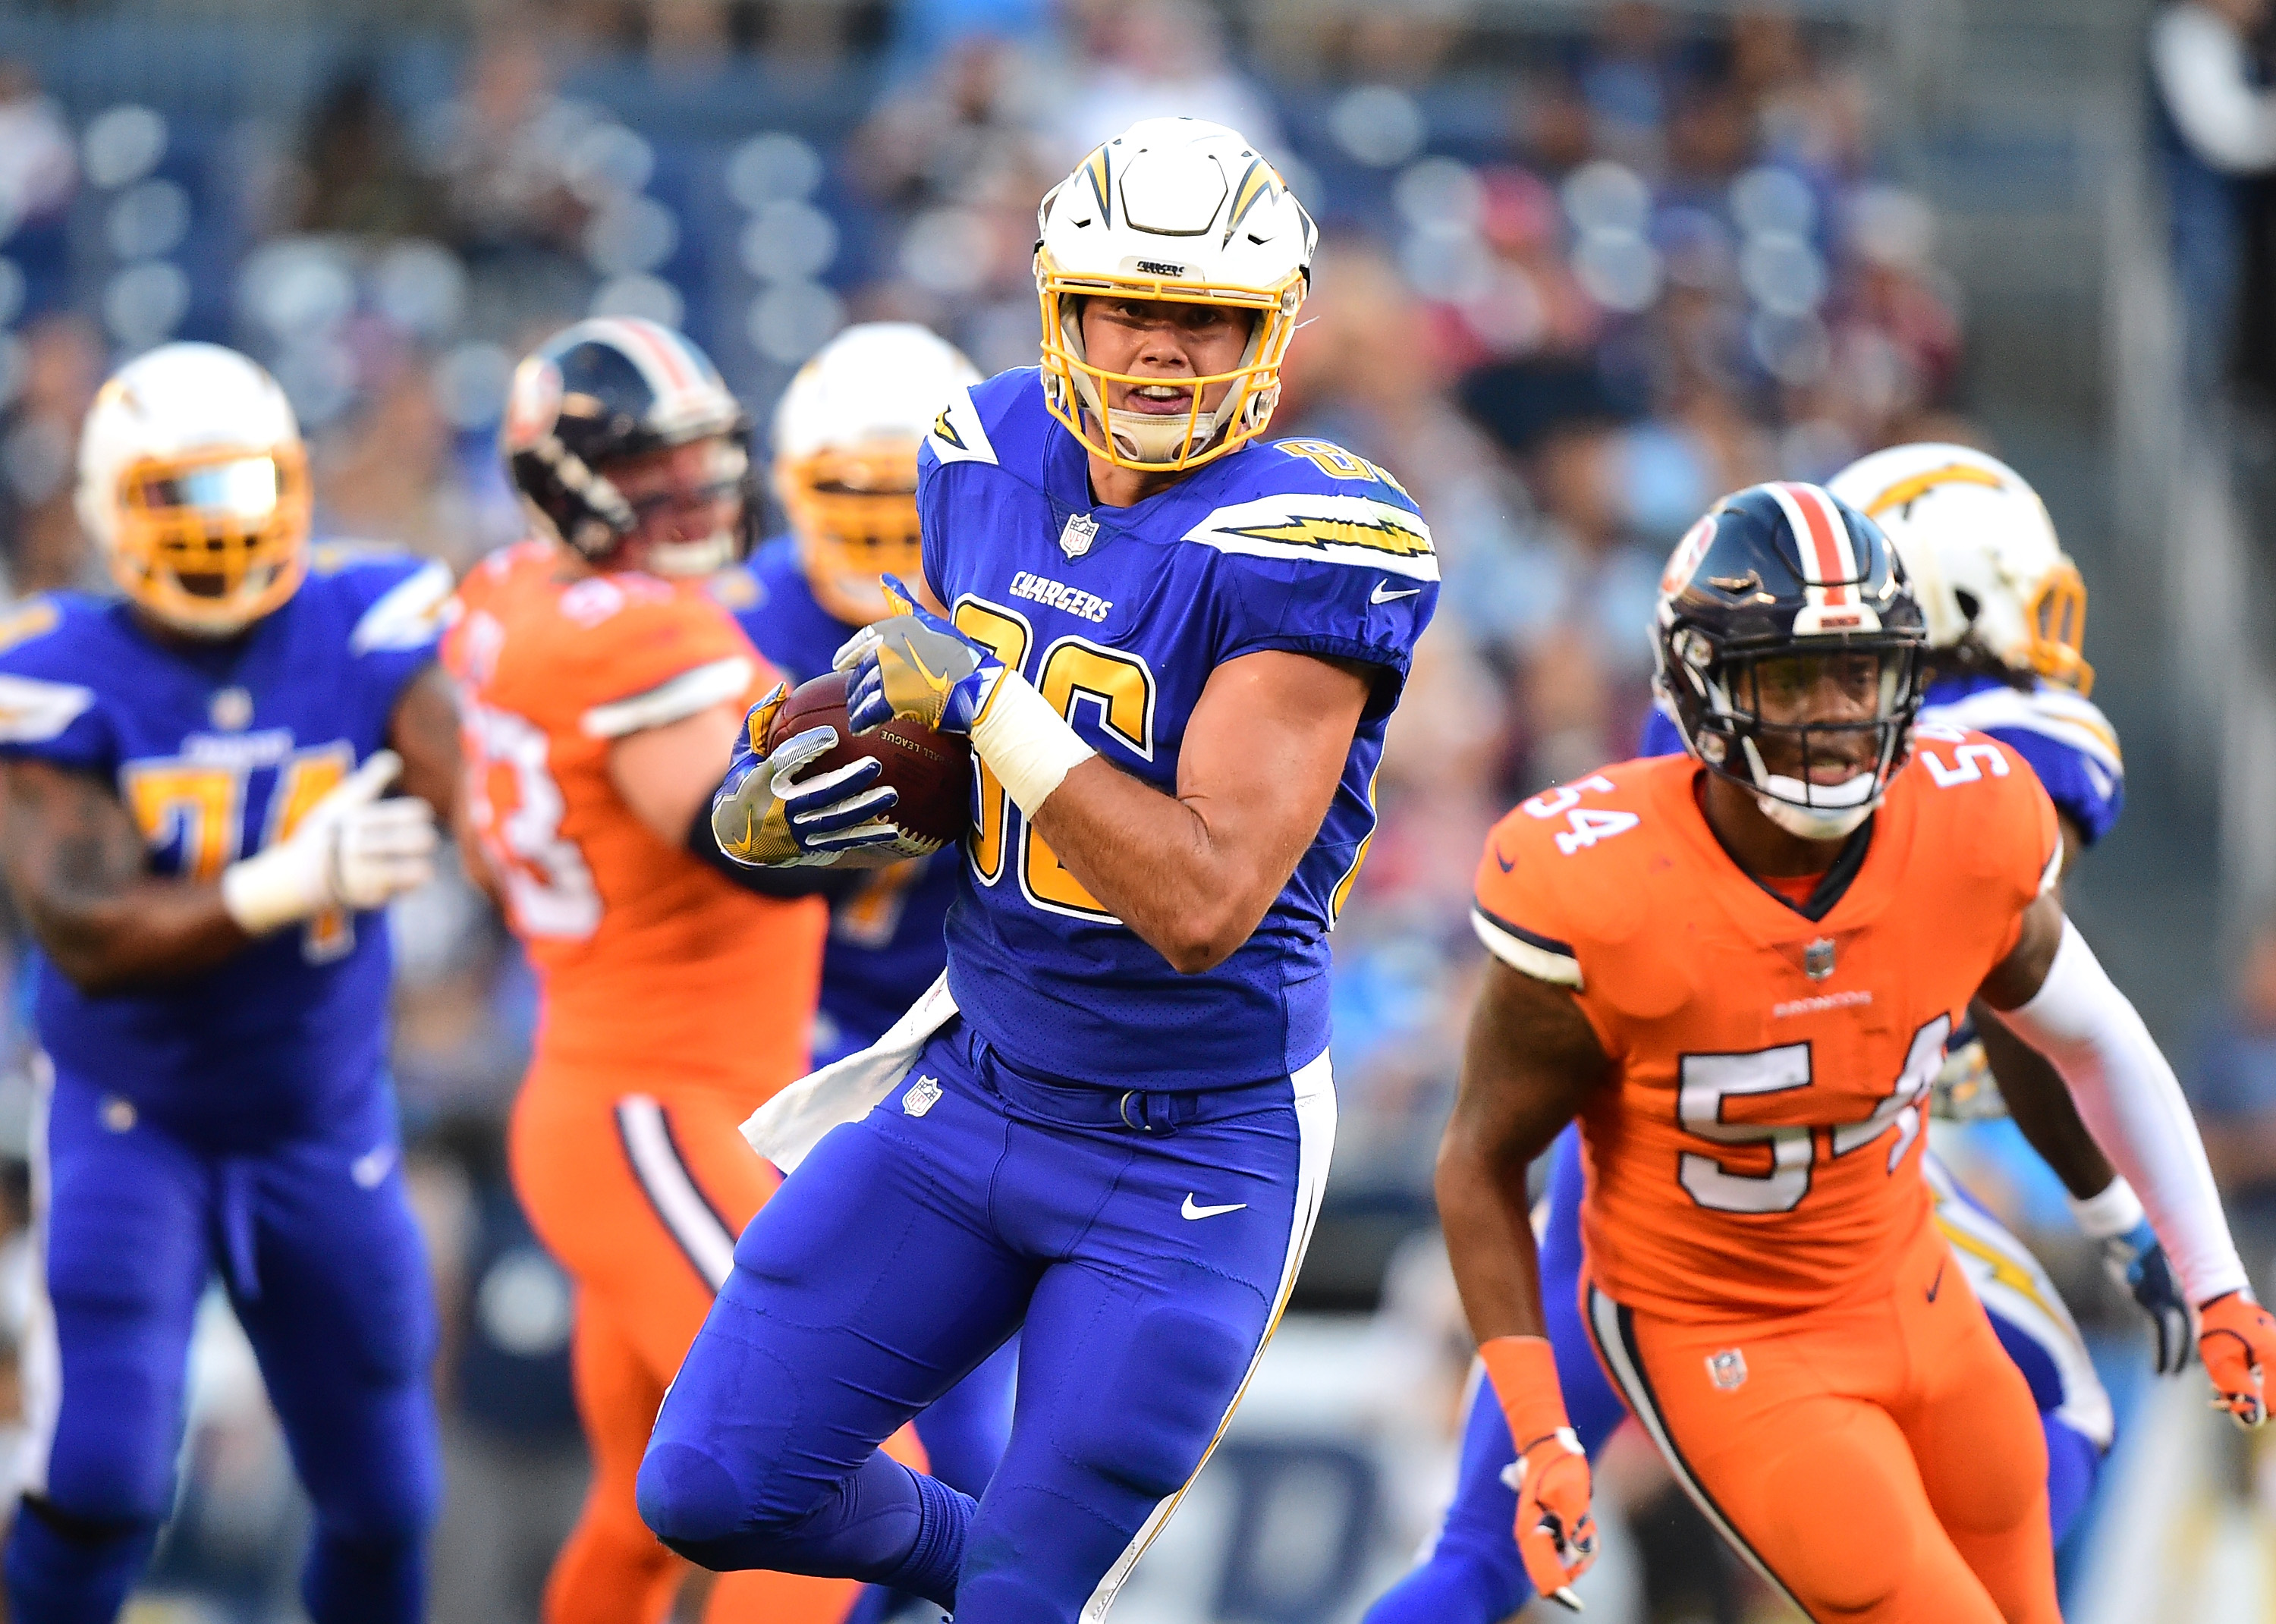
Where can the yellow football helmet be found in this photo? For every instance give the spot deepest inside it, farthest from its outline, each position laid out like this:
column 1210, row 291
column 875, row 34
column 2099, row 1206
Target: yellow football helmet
column 194, row 484
column 1181, row 210
column 845, row 457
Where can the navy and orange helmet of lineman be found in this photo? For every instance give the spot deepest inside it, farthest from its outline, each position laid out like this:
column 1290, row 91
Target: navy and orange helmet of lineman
column 1781, row 588
column 608, row 390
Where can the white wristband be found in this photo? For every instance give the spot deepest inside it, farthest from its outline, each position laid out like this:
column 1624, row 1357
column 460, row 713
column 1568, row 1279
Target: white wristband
column 1025, row 744
column 270, row 889
column 2116, row 1211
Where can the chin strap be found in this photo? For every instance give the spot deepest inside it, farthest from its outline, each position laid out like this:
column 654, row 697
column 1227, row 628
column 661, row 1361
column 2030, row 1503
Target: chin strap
column 1814, row 822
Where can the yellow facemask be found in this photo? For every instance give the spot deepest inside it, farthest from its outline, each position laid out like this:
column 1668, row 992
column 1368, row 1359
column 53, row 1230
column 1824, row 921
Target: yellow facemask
column 211, row 541
column 854, row 512
column 1076, row 390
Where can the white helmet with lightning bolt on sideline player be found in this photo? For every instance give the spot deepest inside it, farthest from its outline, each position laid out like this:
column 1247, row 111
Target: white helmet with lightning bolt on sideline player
column 1983, row 555
column 193, row 486
column 1182, row 211
column 845, row 457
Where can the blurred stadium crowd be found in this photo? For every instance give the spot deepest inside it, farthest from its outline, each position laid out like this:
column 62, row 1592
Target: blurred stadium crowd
column 1578, row 278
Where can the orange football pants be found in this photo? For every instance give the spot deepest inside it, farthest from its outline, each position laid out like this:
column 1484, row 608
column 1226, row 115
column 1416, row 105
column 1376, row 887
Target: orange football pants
column 1879, row 1461
column 640, row 1198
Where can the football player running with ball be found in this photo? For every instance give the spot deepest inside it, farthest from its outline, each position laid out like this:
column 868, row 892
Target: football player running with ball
column 1174, row 648
column 1739, row 968
column 847, row 435
column 197, row 841
column 2006, row 610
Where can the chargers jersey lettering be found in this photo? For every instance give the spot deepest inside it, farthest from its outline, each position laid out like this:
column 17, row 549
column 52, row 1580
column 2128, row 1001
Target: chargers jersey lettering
column 642, row 952
column 2069, row 741
column 218, row 750
column 885, row 935
column 1119, row 615
column 1758, row 1150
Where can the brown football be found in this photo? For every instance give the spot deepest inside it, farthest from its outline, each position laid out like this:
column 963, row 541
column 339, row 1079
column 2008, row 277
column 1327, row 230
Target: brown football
column 932, row 772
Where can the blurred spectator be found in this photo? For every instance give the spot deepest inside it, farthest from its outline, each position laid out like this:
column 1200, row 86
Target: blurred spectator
column 1161, row 58
column 981, row 104
column 502, row 148
column 39, row 162
column 2234, row 1091
column 356, row 171
column 61, row 363
column 2215, row 122
column 1575, row 593
column 383, row 472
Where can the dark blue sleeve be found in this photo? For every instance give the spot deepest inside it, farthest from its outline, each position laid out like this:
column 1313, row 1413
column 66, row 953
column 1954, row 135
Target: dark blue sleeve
column 2082, row 789
column 51, row 709
column 394, row 606
column 931, row 527
column 1332, row 610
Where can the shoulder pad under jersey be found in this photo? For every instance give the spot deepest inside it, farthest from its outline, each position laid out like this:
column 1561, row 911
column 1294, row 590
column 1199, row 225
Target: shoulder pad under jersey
column 967, row 427
column 52, row 673
column 1567, row 877
column 1309, row 502
column 2066, row 737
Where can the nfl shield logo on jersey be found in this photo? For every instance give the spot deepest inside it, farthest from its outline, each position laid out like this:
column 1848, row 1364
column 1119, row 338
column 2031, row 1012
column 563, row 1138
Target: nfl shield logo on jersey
column 1817, row 958
column 920, row 1098
column 1727, row 1370
column 1080, row 531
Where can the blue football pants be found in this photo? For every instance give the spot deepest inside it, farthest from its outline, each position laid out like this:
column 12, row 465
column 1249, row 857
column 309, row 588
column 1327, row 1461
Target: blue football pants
column 1472, row 1574
column 1144, row 1245
column 316, row 1247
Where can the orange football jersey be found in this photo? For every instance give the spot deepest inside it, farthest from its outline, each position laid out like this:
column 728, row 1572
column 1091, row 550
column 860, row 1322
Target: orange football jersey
column 1758, row 1150
column 647, row 959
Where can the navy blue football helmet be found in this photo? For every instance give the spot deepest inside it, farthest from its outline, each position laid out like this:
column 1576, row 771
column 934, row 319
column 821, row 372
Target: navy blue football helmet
column 1779, row 589
column 609, row 389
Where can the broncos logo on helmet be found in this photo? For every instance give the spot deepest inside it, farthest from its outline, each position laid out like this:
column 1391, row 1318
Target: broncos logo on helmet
column 1780, row 586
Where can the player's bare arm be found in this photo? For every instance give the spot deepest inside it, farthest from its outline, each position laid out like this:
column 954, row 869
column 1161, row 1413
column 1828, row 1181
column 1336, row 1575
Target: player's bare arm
column 75, row 865
column 424, row 731
column 1529, row 1064
column 666, row 774
column 1192, row 874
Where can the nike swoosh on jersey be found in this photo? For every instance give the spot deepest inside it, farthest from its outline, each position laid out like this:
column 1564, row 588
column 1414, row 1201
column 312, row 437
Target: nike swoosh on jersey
column 1380, row 596
column 1508, row 864
column 1192, row 1211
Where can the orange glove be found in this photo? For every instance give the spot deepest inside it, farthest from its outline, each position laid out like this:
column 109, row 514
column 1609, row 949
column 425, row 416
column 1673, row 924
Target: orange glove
column 1555, row 1533
column 2236, row 1338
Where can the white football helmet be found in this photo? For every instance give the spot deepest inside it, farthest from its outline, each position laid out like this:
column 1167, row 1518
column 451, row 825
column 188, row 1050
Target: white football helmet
column 845, row 457
column 1983, row 555
column 194, row 484
column 1177, row 209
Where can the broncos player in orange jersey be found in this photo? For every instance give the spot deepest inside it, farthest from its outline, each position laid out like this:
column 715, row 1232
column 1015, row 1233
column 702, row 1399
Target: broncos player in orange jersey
column 602, row 688
column 1738, row 969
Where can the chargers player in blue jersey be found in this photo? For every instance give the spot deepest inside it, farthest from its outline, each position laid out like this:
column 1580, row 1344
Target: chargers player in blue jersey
column 1174, row 646
column 847, row 435
column 2005, row 610
column 196, row 838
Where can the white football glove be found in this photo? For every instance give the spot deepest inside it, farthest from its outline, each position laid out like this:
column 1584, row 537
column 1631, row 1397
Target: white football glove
column 353, row 850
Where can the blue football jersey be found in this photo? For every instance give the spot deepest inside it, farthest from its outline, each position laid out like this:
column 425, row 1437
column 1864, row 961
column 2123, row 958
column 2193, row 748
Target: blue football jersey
column 216, row 752
column 885, row 944
column 1119, row 615
column 2067, row 740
